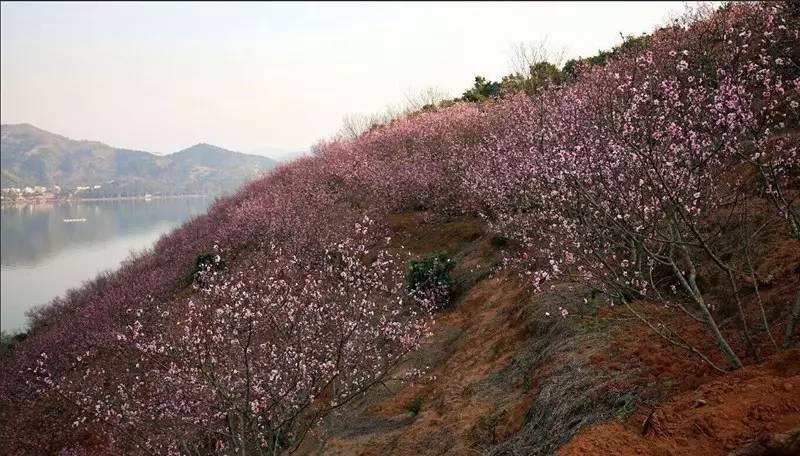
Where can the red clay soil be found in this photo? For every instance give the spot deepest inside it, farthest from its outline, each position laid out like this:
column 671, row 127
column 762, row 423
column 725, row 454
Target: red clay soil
column 451, row 407
column 467, row 346
column 715, row 419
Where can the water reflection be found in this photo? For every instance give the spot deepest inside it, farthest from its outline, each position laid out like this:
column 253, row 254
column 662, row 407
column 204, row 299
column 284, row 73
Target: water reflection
column 43, row 256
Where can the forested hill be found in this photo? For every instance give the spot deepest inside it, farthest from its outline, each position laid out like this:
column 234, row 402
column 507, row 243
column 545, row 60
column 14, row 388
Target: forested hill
column 34, row 157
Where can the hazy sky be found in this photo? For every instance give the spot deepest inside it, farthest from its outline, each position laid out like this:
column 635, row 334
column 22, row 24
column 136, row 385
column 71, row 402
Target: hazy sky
column 257, row 76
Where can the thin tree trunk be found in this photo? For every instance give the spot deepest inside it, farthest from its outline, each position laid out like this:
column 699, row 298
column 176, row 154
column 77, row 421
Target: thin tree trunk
column 794, row 225
column 794, row 316
column 753, row 277
column 690, row 284
column 745, row 331
column 723, row 344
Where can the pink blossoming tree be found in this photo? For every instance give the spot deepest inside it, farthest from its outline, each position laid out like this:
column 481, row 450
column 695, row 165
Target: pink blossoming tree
column 254, row 360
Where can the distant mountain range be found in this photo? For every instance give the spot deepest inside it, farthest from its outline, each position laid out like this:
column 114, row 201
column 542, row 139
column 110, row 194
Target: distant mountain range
column 30, row 156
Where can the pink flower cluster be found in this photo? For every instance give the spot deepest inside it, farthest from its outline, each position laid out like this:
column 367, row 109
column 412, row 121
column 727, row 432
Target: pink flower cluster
column 255, row 358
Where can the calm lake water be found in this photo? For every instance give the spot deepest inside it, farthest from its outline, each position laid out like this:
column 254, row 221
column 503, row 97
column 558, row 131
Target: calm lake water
column 43, row 256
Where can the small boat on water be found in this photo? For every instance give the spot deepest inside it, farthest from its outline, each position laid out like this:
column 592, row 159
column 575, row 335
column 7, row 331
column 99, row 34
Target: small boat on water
column 75, row 220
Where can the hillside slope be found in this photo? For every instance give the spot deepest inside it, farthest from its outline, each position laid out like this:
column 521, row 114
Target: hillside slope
column 611, row 266
column 31, row 156
column 506, row 378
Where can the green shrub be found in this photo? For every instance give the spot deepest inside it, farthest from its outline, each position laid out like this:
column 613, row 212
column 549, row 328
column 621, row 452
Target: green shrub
column 482, row 90
column 538, row 75
column 415, row 405
column 9, row 341
column 499, row 242
column 205, row 261
column 431, row 275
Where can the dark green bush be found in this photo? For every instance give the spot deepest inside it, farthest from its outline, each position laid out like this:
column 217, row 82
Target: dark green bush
column 415, row 405
column 431, row 274
column 482, row 90
column 9, row 341
column 205, row 261
column 499, row 242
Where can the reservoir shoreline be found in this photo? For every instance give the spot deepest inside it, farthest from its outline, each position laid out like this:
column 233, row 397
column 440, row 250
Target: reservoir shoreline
column 47, row 201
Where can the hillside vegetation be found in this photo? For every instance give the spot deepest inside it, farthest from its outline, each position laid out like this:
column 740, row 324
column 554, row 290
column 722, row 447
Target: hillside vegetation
column 595, row 264
column 31, row 156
